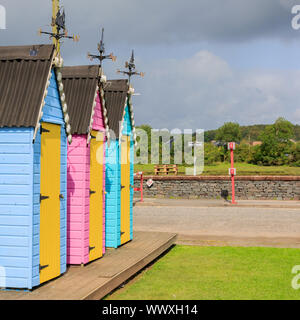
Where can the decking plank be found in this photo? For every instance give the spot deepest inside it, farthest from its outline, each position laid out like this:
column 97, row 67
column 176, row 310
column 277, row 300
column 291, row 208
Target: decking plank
column 100, row 277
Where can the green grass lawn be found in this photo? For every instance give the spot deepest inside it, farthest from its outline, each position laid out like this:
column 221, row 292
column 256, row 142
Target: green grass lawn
column 216, row 273
column 222, row 169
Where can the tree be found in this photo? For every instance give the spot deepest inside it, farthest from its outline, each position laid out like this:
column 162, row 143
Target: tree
column 276, row 144
column 229, row 132
column 211, row 154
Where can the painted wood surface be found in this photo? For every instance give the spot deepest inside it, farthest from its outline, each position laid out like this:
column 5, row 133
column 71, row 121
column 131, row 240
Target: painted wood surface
column 113, row 224
column 19, row 198
column 113, row 185
column 99, row 125
column 50, row 207
column 16, row 206
column 78, row 194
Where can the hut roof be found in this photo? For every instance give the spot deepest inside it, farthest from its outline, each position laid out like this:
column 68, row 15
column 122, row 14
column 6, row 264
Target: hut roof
column 116, row 92
column 80, row 85
column 24, row 72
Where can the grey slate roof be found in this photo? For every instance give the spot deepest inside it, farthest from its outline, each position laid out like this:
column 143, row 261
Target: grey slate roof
column 23, row 79
column 80, row 85
column 115, row 99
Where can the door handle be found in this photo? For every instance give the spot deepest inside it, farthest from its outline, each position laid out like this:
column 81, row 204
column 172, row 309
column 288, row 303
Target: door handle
column 91, row 248
column 43, row 198
column 43, row 267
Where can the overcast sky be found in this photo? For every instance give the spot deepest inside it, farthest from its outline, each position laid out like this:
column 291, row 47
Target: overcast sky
column 206, row 61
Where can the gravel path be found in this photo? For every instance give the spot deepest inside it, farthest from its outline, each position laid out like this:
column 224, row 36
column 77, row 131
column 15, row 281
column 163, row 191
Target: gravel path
column 222, row 226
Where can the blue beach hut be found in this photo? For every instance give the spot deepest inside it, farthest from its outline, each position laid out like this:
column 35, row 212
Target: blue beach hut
column 34, row 133
column 119, row 163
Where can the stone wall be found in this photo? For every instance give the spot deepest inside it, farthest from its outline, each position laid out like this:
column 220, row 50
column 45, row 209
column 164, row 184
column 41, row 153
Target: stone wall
column 209, row 187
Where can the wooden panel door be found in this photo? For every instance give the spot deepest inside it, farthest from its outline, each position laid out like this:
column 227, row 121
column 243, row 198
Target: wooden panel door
column 96, row 195
column 125, row 189
column 50, row 202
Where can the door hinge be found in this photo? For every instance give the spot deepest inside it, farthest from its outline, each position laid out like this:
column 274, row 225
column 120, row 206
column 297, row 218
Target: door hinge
column 61, row 196
column 43, row 267
column 122, row 187
column 92, row 192
column 93, row 137
column 43, row 198
column 43, row 130
column 91, row 248
column 122, row 233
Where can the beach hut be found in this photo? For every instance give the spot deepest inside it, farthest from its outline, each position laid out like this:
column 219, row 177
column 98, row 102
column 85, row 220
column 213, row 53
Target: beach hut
column 119, row 163
column 34, row 130
column 86, row 164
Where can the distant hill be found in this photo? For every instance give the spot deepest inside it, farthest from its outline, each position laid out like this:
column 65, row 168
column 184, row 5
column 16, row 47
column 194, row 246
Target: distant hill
column 250, row 133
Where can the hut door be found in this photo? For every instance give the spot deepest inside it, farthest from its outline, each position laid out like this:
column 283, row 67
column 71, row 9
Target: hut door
column 125, row 189
column 96, row 195
column 50, row 202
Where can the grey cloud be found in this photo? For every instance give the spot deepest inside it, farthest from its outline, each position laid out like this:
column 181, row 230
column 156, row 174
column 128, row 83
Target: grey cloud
column 204, row 92
column 158, row 21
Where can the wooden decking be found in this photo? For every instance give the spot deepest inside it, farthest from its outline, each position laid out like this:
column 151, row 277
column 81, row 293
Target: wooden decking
column 99, row 278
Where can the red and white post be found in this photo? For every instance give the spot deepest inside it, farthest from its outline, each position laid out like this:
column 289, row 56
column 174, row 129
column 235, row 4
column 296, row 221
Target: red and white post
column 140, row 189
column 232, row 170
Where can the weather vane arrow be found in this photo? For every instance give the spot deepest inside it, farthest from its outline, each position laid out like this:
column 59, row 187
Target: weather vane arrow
column 101, row 48
column 131, row 68
column 58, row 24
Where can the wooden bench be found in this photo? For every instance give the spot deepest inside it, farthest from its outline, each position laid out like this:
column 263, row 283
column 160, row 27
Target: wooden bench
column 166, row 169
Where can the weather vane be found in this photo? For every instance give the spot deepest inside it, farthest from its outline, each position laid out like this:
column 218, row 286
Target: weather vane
column 101, row 50
column 131, row 68
column 59, row 30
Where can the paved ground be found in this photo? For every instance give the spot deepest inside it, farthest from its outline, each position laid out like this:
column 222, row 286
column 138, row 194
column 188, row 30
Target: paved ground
column 198, row 223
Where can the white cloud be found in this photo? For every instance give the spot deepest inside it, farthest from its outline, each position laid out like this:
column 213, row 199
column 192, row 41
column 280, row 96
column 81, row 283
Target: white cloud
column 203, row 91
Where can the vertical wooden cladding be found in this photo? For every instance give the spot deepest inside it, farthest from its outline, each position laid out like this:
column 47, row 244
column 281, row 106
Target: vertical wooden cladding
column 16, row 194
column 50, row 202
column 86, row 212
column 119, row 178
column 125, row 189
column 21, row 183
column 96, row 195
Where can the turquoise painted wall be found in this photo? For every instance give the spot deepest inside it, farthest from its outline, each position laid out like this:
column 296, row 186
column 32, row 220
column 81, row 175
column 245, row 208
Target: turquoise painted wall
column 113, row 194
column 113, row 186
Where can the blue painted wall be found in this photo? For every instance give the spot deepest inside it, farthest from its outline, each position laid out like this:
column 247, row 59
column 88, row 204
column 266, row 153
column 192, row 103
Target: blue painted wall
column 113, row 195
column 113, row 186
column 19, row 197
column 16, row 191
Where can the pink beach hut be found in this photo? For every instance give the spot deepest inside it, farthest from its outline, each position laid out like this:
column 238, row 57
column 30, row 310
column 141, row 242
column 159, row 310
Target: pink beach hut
column 86, row 165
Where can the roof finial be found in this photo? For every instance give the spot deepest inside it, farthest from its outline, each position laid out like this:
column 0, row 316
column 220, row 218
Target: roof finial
column 131, row 68
column 101, row 50
column 59, row 30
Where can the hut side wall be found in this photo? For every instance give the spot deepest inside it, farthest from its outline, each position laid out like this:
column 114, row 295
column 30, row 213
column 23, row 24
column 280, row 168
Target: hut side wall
column 52, row 113
column 36, row 210
column 98, row 121
column 113, row 195
column 99, row 125
column 127, row 130
column 16, row 192
column 78, row 200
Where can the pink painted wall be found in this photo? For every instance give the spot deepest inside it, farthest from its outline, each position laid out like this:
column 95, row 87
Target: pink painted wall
column 78, row 201
column 98, row 125
column 78, row 194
